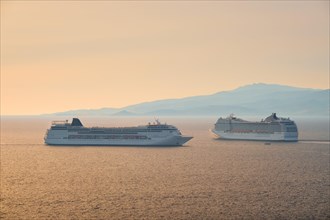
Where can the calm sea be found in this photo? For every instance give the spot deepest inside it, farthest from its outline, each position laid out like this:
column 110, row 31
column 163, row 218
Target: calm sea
column 204, row 179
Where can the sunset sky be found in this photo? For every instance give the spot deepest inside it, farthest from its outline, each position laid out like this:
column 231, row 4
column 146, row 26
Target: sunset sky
column 65, row 55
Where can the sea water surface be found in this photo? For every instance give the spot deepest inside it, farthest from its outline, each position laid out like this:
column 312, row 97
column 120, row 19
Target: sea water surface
column 204, row 179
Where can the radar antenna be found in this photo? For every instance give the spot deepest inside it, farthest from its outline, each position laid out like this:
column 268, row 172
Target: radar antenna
column 157, row 121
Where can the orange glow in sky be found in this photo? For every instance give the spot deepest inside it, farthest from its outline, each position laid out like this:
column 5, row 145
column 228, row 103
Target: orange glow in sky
column 58, row 56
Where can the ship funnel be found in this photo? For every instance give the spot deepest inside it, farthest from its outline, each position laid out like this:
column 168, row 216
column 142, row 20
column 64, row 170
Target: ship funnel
column 274, row 116
column 76, row 122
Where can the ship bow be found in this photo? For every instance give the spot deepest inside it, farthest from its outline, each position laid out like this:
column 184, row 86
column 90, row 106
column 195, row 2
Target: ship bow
column 184, row 139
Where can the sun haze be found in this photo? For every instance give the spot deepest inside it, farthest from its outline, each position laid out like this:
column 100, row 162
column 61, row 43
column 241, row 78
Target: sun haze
column 57, row 56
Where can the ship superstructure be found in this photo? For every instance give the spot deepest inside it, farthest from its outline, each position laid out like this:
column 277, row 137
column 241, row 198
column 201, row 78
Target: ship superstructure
column 272, row 128
column 74, row 133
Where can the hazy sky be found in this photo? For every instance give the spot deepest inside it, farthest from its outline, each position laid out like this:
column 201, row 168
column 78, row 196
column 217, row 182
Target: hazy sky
column 58, row 56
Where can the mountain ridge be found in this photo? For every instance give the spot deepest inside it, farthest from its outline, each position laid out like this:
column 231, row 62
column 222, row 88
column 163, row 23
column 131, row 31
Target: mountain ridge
column 257, row 98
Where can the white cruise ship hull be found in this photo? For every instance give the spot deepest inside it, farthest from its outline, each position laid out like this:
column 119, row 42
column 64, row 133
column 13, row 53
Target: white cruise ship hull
column 168, row 141
column 75, row 134
column 276, row 136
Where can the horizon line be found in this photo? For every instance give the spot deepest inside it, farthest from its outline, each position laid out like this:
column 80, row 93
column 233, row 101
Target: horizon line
column 166, row 99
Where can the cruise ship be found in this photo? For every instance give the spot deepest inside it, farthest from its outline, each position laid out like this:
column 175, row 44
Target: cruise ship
column 272, row 128
column 74, row 133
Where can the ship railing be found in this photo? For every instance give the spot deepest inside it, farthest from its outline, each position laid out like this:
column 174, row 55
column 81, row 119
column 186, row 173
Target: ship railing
column 59, row 122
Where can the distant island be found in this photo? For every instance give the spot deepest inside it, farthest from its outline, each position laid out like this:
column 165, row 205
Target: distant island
column 254, row 99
